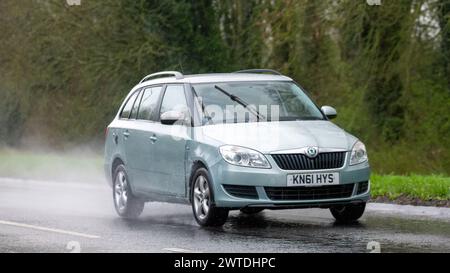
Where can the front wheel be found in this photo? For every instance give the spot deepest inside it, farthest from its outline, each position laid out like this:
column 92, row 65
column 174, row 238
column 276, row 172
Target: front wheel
column 126, row 204
column 202, row 199
column 348, row 213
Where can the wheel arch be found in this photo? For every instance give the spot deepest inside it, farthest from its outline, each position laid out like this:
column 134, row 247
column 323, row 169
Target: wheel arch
column 116, row 162
column 196, row 164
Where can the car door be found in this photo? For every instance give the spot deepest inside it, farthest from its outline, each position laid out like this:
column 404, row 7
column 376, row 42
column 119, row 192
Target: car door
column 170, row 143
column 146, row 122
column 127, row 134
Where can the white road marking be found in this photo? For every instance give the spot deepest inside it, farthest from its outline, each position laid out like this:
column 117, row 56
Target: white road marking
column 8, row 223
column 179, row 250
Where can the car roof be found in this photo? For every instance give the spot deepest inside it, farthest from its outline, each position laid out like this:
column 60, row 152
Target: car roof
column 215, row 77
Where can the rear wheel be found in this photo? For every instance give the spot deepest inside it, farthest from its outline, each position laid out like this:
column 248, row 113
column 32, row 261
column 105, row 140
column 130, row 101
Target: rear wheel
column 202, row 199
column 251, row 211
column 126, row 204
column 348, row 213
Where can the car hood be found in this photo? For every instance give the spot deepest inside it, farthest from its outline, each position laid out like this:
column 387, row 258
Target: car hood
column 269, row 137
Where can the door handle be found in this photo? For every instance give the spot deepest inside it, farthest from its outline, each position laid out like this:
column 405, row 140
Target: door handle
column 153, row 138
column 126, row 134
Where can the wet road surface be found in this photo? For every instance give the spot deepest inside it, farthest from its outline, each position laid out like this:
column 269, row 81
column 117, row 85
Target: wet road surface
column 62, row 217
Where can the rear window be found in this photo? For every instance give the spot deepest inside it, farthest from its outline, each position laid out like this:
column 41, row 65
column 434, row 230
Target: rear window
column 126, row 111
column 134, row 110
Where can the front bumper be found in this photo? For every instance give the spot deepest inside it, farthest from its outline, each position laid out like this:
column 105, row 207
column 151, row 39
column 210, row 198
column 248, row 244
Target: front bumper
column 223, row 173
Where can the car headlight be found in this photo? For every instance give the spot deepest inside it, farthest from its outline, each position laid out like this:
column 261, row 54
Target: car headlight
column 244, row 157
column 359, row 154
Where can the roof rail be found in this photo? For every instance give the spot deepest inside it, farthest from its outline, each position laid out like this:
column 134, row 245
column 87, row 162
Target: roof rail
column 260, row 71
column 176, row 74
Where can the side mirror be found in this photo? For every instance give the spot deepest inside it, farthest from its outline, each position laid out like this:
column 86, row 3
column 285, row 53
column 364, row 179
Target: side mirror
column 171, row 117
column 329, row 111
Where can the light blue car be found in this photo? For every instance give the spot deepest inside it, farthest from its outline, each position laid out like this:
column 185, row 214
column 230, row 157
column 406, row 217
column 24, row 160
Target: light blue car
column 249, row 140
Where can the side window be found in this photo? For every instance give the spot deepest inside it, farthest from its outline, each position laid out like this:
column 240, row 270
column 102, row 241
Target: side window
column 174, row 99
column 149, row 102
column 134, row 110
column 128, row 106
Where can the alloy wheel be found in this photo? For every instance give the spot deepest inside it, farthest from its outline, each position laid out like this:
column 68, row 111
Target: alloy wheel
column 121, row 192
column 202, row 197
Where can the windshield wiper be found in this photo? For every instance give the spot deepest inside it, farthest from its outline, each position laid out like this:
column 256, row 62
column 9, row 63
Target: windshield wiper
column 241, row 102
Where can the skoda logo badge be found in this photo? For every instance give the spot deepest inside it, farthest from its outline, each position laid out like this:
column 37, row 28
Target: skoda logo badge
column 312, row 152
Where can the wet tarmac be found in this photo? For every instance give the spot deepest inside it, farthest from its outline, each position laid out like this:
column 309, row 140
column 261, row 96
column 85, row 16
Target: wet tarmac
column 62, row 217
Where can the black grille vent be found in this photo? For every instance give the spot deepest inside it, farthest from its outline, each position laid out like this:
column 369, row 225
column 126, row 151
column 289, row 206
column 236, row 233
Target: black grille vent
column 323, row 161
column 363, row 187
column 247, row 192
column 309, row 193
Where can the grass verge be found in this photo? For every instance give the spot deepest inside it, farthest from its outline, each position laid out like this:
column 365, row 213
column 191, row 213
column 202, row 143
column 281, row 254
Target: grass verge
column 412, row 189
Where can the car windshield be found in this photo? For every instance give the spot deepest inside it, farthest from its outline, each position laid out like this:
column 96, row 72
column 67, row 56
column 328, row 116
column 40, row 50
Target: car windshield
column 272, row 101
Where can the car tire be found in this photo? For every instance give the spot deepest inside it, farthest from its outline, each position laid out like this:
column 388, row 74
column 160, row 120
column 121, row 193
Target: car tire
column 348, row 213
column 126, row 204
column 251, row 211
column 202, row 199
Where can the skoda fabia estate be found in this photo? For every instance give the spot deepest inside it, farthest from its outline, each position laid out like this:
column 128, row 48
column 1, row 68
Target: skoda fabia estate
column 249, row 140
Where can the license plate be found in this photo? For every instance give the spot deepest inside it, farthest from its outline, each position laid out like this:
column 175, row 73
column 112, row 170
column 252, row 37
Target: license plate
column 312, row 179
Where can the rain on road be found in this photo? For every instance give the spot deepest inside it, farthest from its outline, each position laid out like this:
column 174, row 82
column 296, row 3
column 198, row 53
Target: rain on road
column 37, row 216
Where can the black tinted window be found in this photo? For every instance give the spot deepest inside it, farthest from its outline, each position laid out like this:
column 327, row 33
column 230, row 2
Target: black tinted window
column 149, row 102
column 174, row 99
column 134, row 110
column 128, row 106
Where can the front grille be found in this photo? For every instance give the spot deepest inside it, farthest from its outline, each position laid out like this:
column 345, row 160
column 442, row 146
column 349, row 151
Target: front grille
column 309, row 193
column 362, row 187
column 323, row 161
column 247, row 192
